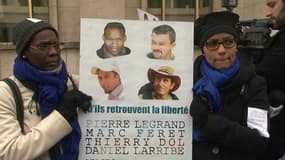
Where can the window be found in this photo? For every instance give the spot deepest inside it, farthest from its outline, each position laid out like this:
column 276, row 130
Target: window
column 172, row 3
column 178, row 10
column 206, row 3
column 13, row 11
column 154, row 3
column 184, row 4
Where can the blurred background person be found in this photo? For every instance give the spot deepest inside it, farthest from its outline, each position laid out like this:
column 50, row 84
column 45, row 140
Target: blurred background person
column 271, row 68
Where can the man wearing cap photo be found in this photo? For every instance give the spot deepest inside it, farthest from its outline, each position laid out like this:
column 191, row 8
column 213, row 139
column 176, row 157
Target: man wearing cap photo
column 109, row 78
column 162, row 84
column 163, row 39
column 114, row 38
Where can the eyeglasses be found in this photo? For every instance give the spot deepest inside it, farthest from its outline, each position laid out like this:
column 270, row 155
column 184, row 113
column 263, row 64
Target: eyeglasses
column 215, row 44
column 45, row 48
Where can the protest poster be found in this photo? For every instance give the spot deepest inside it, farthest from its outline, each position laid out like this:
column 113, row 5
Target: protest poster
column 132, row 126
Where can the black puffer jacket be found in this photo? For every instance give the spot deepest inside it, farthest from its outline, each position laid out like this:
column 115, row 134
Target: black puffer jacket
column 226, row 136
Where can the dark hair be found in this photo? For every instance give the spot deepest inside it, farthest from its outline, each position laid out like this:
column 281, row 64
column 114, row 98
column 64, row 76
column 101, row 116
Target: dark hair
column 115, row 25
column 165, row 29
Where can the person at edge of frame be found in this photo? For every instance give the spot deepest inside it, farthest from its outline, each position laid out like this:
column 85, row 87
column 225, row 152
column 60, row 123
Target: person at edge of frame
column 271, row 68
column 50, row 100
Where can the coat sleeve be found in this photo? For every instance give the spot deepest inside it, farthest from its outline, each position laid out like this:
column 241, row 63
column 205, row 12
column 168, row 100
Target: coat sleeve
column 37, row 140
column 272, row 64
column 234, row 135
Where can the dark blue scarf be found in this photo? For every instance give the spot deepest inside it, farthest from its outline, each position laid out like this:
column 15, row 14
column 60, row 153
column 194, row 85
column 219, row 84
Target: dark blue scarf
column 208, row 86
column 51, row 85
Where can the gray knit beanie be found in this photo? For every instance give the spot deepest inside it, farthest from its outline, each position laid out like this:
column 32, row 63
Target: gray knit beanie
column 24, row 31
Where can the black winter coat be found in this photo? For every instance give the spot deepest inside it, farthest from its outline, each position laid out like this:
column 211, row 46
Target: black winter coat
column 272, row 68
column 226, row 135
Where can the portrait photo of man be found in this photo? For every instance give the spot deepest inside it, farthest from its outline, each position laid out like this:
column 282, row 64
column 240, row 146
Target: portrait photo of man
column 163, row 39
column 108, row 75
column 114, row 38
column 162, row 83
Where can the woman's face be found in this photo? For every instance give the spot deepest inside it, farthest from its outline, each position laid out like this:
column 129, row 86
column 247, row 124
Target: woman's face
column 220, row 50
column 44, row 51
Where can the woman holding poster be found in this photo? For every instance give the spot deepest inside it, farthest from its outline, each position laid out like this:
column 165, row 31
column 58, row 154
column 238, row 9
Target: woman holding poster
column 230, row 106
column 45, row 126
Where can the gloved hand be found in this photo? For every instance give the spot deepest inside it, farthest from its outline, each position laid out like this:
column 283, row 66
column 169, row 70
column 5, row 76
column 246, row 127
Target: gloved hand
column 84, row 102
column 199, row 110
column 277, row 100
column 69, row 102
column 274, row 111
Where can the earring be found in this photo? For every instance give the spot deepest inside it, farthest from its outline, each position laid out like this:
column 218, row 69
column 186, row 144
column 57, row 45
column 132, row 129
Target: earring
column 24, row 57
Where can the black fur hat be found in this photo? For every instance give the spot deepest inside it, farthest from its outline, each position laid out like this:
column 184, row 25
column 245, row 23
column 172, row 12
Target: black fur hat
column 212, row 23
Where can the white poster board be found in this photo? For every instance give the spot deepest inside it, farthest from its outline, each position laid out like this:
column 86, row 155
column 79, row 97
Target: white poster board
column 136, row 128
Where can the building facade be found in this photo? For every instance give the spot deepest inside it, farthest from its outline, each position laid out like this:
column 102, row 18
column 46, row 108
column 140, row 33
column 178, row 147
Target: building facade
column 65, row 16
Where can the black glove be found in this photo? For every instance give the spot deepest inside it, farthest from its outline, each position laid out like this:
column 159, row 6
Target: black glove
column 199, row 110
column 69, row 102
column 276, row 98
column 84, row 102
